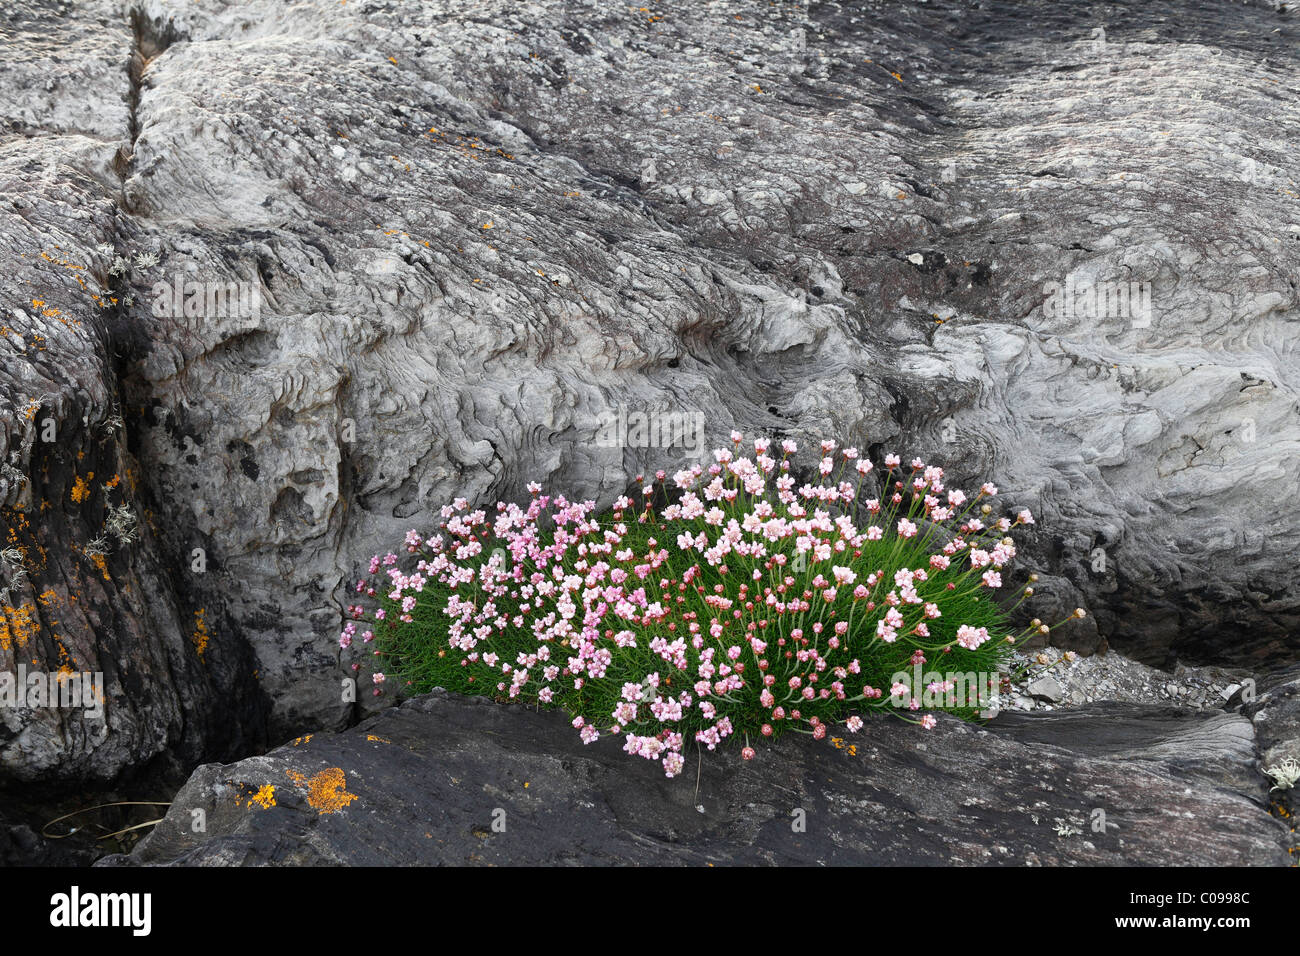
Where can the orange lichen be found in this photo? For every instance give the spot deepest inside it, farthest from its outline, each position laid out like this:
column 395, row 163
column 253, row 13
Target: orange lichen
column 101, row 565
column 200, row 636
column 302, row 740
column 382, row 740
column 66, row 660
column 264, row 798
column 81, row 489
column 18, row 625
column 326, row 791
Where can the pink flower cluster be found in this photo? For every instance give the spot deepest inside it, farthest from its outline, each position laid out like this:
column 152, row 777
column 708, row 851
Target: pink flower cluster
column 749, row 588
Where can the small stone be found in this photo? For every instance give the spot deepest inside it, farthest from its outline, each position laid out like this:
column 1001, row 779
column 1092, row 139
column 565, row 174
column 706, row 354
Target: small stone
column 1046, row 688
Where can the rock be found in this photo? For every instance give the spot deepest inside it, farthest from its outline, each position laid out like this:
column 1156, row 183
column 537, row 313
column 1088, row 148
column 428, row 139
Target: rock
column 1275, row 713
column 71, row 485
column 467, row 246
column 450, row 780
column 1046, row 688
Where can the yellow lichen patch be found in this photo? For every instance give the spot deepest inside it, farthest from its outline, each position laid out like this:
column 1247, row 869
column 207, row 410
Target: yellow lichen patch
column 302, row 740
column 264, row 798
column 327, row 792
column 295, row 776
column 200, row 636
column 113, row 482
column 47, row 597
column 18, row 625
column 81, row 489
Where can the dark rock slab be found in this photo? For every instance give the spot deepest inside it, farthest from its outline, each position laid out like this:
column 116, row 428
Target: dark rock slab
column 424, row 783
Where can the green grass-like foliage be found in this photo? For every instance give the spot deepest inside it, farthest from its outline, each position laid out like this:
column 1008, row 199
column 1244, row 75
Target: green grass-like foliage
column 725, row 602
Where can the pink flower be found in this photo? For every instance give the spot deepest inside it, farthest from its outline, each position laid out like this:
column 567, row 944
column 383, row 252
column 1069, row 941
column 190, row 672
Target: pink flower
column 929, row 722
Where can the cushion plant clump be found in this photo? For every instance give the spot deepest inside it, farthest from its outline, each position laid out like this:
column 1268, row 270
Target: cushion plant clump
column 723, row 603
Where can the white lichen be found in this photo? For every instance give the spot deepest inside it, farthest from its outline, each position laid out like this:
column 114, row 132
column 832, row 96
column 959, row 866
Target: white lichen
column 1284, row 774
column 96, row 548
column 122, row 524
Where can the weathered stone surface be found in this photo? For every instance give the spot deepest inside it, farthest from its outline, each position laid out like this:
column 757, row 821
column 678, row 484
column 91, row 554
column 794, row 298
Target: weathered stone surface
column 421, row 785
column 1276, row 716
column 65, row 466
column 477, row 230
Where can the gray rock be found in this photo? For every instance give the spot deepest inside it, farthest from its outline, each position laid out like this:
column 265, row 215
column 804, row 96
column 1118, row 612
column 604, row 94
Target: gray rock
column 1275, row 712
column 425, row 783
column 475, row 236
column 1046, row 688
column 66, row 441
